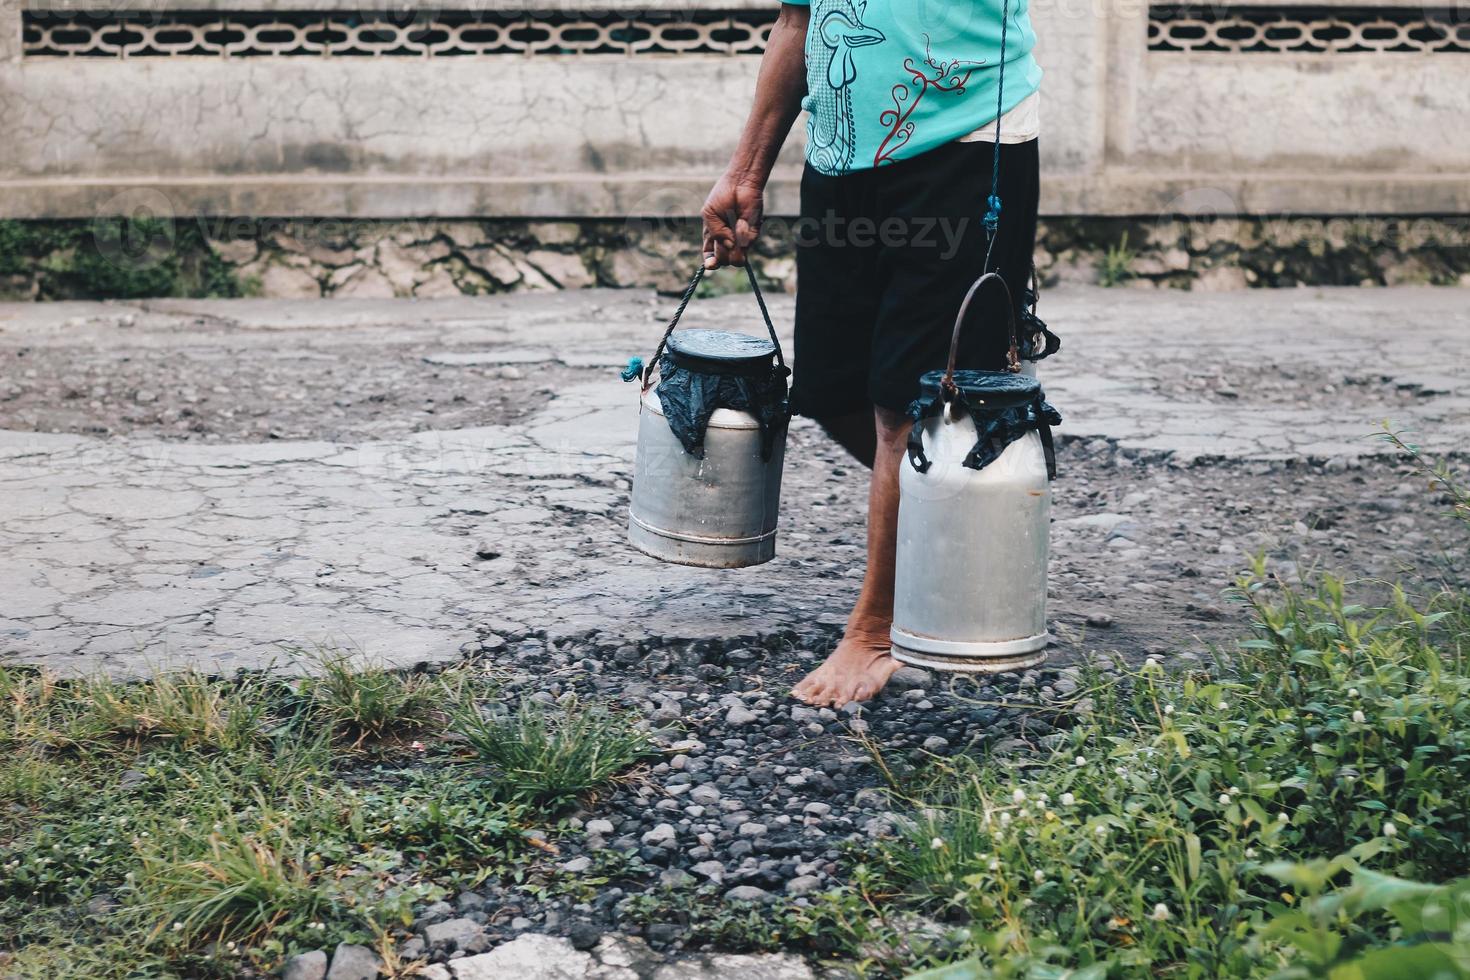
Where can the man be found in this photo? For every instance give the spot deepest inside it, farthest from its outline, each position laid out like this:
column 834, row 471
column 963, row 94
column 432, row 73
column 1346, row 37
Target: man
column 902, row 99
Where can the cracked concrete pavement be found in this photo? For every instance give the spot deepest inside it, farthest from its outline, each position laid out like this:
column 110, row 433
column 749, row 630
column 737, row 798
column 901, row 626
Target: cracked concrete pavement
column 227, row 483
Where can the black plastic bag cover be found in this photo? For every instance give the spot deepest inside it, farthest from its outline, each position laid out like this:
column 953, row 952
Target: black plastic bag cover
column 1037, row 339
column 703, row 370
column 1004, row 407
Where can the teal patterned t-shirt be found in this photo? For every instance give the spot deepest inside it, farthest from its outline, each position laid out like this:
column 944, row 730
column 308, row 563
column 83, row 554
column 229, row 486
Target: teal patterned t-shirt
column 890, row 79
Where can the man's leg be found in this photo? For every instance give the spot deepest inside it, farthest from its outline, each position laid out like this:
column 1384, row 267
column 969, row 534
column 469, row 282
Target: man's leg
column 861, row 665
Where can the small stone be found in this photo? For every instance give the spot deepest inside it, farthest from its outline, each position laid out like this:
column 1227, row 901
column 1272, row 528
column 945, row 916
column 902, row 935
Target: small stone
column 713, row 870
column 1100, row 621
column 752, row 829
column 748, row 893
column 705, row 794
column 307, row 966
column 600, row 827
column 675, row 878
column 802, row 885
column 739, row 716
column 583, row 934
column 661, row 836
column 577, row 865
column 453, row 934
column 935, row 743
column 437, row 911
column 352, row 962
column 906, row 678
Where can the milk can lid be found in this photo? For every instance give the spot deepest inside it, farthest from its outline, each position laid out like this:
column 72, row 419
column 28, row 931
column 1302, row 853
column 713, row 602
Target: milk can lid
column 986, row 389
column 721, row 351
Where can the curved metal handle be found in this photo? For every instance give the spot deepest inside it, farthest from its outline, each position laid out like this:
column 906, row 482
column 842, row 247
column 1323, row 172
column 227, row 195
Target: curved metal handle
column 760, row 300
column 1013, row 354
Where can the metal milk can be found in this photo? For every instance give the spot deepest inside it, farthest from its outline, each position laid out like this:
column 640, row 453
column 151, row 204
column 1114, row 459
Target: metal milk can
column 711, row 443
column 974, row 517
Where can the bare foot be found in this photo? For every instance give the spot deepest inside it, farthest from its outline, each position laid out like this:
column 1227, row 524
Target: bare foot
column 855, row 671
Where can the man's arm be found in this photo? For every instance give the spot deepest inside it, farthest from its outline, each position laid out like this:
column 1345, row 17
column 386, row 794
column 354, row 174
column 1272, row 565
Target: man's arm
column 733, row 210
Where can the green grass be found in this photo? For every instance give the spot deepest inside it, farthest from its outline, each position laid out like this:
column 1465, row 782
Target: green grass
column 225, row 825
column 115, row 258
column 549, row 756
column 364, row 701
column 1210, row 823
column 1116, row 264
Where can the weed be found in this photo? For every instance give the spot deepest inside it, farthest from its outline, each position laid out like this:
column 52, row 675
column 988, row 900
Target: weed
column 246, row 884
column 1339, row 730
column 186, row 708
column 1116, row 261
column 547, row 756
column 367, row 701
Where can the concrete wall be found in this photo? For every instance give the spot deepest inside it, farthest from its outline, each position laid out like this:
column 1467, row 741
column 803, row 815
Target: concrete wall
column 1127, row 130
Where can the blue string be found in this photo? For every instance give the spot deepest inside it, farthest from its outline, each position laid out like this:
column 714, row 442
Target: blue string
column 992, row 216
column 633, row 370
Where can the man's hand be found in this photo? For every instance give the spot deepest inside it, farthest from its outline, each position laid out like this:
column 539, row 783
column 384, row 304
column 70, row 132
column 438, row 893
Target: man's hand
column 732, row 220
column 733, row 210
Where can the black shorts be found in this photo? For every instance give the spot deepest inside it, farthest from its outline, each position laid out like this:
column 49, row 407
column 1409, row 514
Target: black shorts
column 883, row 260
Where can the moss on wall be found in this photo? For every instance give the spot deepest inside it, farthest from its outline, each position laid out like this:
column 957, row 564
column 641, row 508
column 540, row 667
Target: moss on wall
column 302, row 258
column 109, row 258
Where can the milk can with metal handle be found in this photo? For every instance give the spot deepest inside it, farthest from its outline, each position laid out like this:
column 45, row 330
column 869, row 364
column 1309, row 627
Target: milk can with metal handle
column 711, row 443
column 973, row 518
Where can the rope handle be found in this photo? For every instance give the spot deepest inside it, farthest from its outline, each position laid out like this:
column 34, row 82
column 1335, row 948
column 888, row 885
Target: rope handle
column 760, row 300
column 1013, row 354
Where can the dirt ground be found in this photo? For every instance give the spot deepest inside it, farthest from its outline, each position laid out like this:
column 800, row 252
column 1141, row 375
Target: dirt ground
column 1151, row 524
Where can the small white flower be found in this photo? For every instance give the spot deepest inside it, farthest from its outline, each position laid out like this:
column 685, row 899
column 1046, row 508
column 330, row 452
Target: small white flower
column 1224, row 799
column 1005, row 817
column 178, row 927
column 1390, row 829
column 1101, row 831
column 994, row 865
column 1168, row 709
column 1039, row 875
column 1250, row 852
column 1282, row 817
column 1079, row 762
column 1068, row 799
column 936, row 843
column 1352, row 692
column 1019, row 796
column 1151, row 662
column 1160, row 913
column 1221, row 705
column 1233, row 791
column 1359, row 718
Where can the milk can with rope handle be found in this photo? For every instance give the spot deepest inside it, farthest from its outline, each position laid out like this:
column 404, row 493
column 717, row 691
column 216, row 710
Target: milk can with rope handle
column 711, row 443
column 974, row 513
